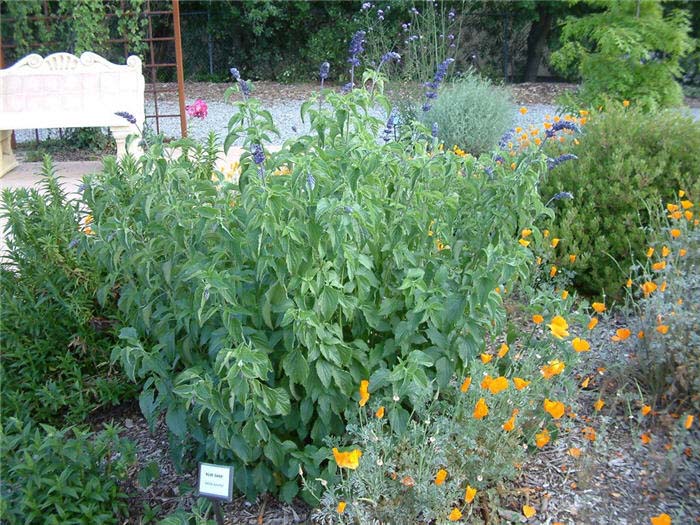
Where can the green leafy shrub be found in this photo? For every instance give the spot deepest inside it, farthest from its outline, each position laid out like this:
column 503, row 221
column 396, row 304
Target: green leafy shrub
column 472, row 114
column 627, row 160
column 64, row 476
column 628, row 51
column 252, row 311
column 55, row 340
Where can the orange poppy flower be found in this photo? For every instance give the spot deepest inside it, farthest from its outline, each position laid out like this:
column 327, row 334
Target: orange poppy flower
column 542, row 438
column 661, row 519
column 503, row 350
column 469, row 494
column 592, row 323
column 520, row 383
column 646, row 438
column 645, row 409
column 575, row 452
column 665, row 252
column 648, row 287
column 364, row 392
column 675, row 233
column 341, row 507
column 662, row 329
column 553, row 271
column 688, row 422
column 686, row 204
column 486, row 358
column 598, row 405
column 682, row 252
column 581, row 345
column 657, row 267
column 572, row 258
column 465, row 385
column 440, row 477
column 524, row 243
column 599, row 307
column 481, row 410
column 349, row 460
column 555, row 242
column 650, row 252
column 589, row 433
column 628, row 284
column 559, row 327
column 565, row 294
column 379, row 413
column 553, row 368
column 529, row 511
column 621, row 334
column 584, row 383
column 554, row 408
column 537, row 319
column 526, row 232
column 509, row 425
column 497, row 385
column 455, row 515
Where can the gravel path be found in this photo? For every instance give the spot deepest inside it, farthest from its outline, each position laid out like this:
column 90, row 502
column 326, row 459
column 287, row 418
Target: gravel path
column 286, row 117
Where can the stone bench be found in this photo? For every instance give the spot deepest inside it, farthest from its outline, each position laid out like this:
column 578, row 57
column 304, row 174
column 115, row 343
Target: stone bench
column 64, row 91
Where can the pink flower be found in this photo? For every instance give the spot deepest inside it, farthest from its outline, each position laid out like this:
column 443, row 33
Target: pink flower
column 198, row 109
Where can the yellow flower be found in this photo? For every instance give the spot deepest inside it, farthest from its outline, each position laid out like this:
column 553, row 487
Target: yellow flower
column 486, row 358
column 480, row 410
column 565, row 294
column 661, row 519
column 523, row 110
column 545, row 233
column 665, row 251
column 349, row 460
column 621, row 334
column 682, row 252
column 441, row 476
column 379, row 413
column 686, row 204
column 520, row 383
column 648, row 287
column 581, row 345
column 598, row 405
column 555, row 242
column 650, row 252
column 599, row 307
column 529, row 511
column 503, row 350
column 554, row 408
column 688, row 215
column 662, row 329
column 469, row 494
column 688, row 422
column 282, row 170
column 628, row 284
column 509, row 425
column 524, row 243
column 537, row 319
column 341, row 507
column 526, row 232
column 657, row 267
column 455, row 515
column 572, row 258
column 592, row 323
column 498, row 384
column 663, row 286
column 542, row 438
column 645, row 409
column 364, row 392
column 553, row 271
column 465, row 385
column 626, row 103
column 681, row 193
column 553, row 368
column 559, row 327
column 675, row 233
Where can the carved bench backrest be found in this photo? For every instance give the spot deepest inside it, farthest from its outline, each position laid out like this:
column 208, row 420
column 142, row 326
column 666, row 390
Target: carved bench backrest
column 65, row 91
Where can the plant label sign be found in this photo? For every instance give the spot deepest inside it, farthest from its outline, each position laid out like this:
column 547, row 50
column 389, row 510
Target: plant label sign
column 216, row 481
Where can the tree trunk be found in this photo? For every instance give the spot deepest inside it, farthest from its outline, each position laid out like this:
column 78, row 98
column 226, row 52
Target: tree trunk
column 536, row 41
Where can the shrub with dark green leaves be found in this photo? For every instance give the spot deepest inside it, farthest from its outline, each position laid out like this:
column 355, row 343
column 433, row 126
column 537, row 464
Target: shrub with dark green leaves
column 253, row 310
column 61, row 477
column 55, row 340
column 471, row 113
column 627, row 161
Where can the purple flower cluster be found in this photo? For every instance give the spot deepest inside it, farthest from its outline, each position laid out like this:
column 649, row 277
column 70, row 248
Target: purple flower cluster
column 245, row 88
column 127, row 116
column 391, row 56
column 558, row 126
column 197, row 110
column 506, row 138
column 432, row 87
column 390, row 124
column 356, row 47
column 553, row 163
column 258, row 154
column 434, row 130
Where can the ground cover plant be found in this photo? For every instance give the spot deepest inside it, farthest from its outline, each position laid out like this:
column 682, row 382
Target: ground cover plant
column 55, row 370
column 627, row 162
